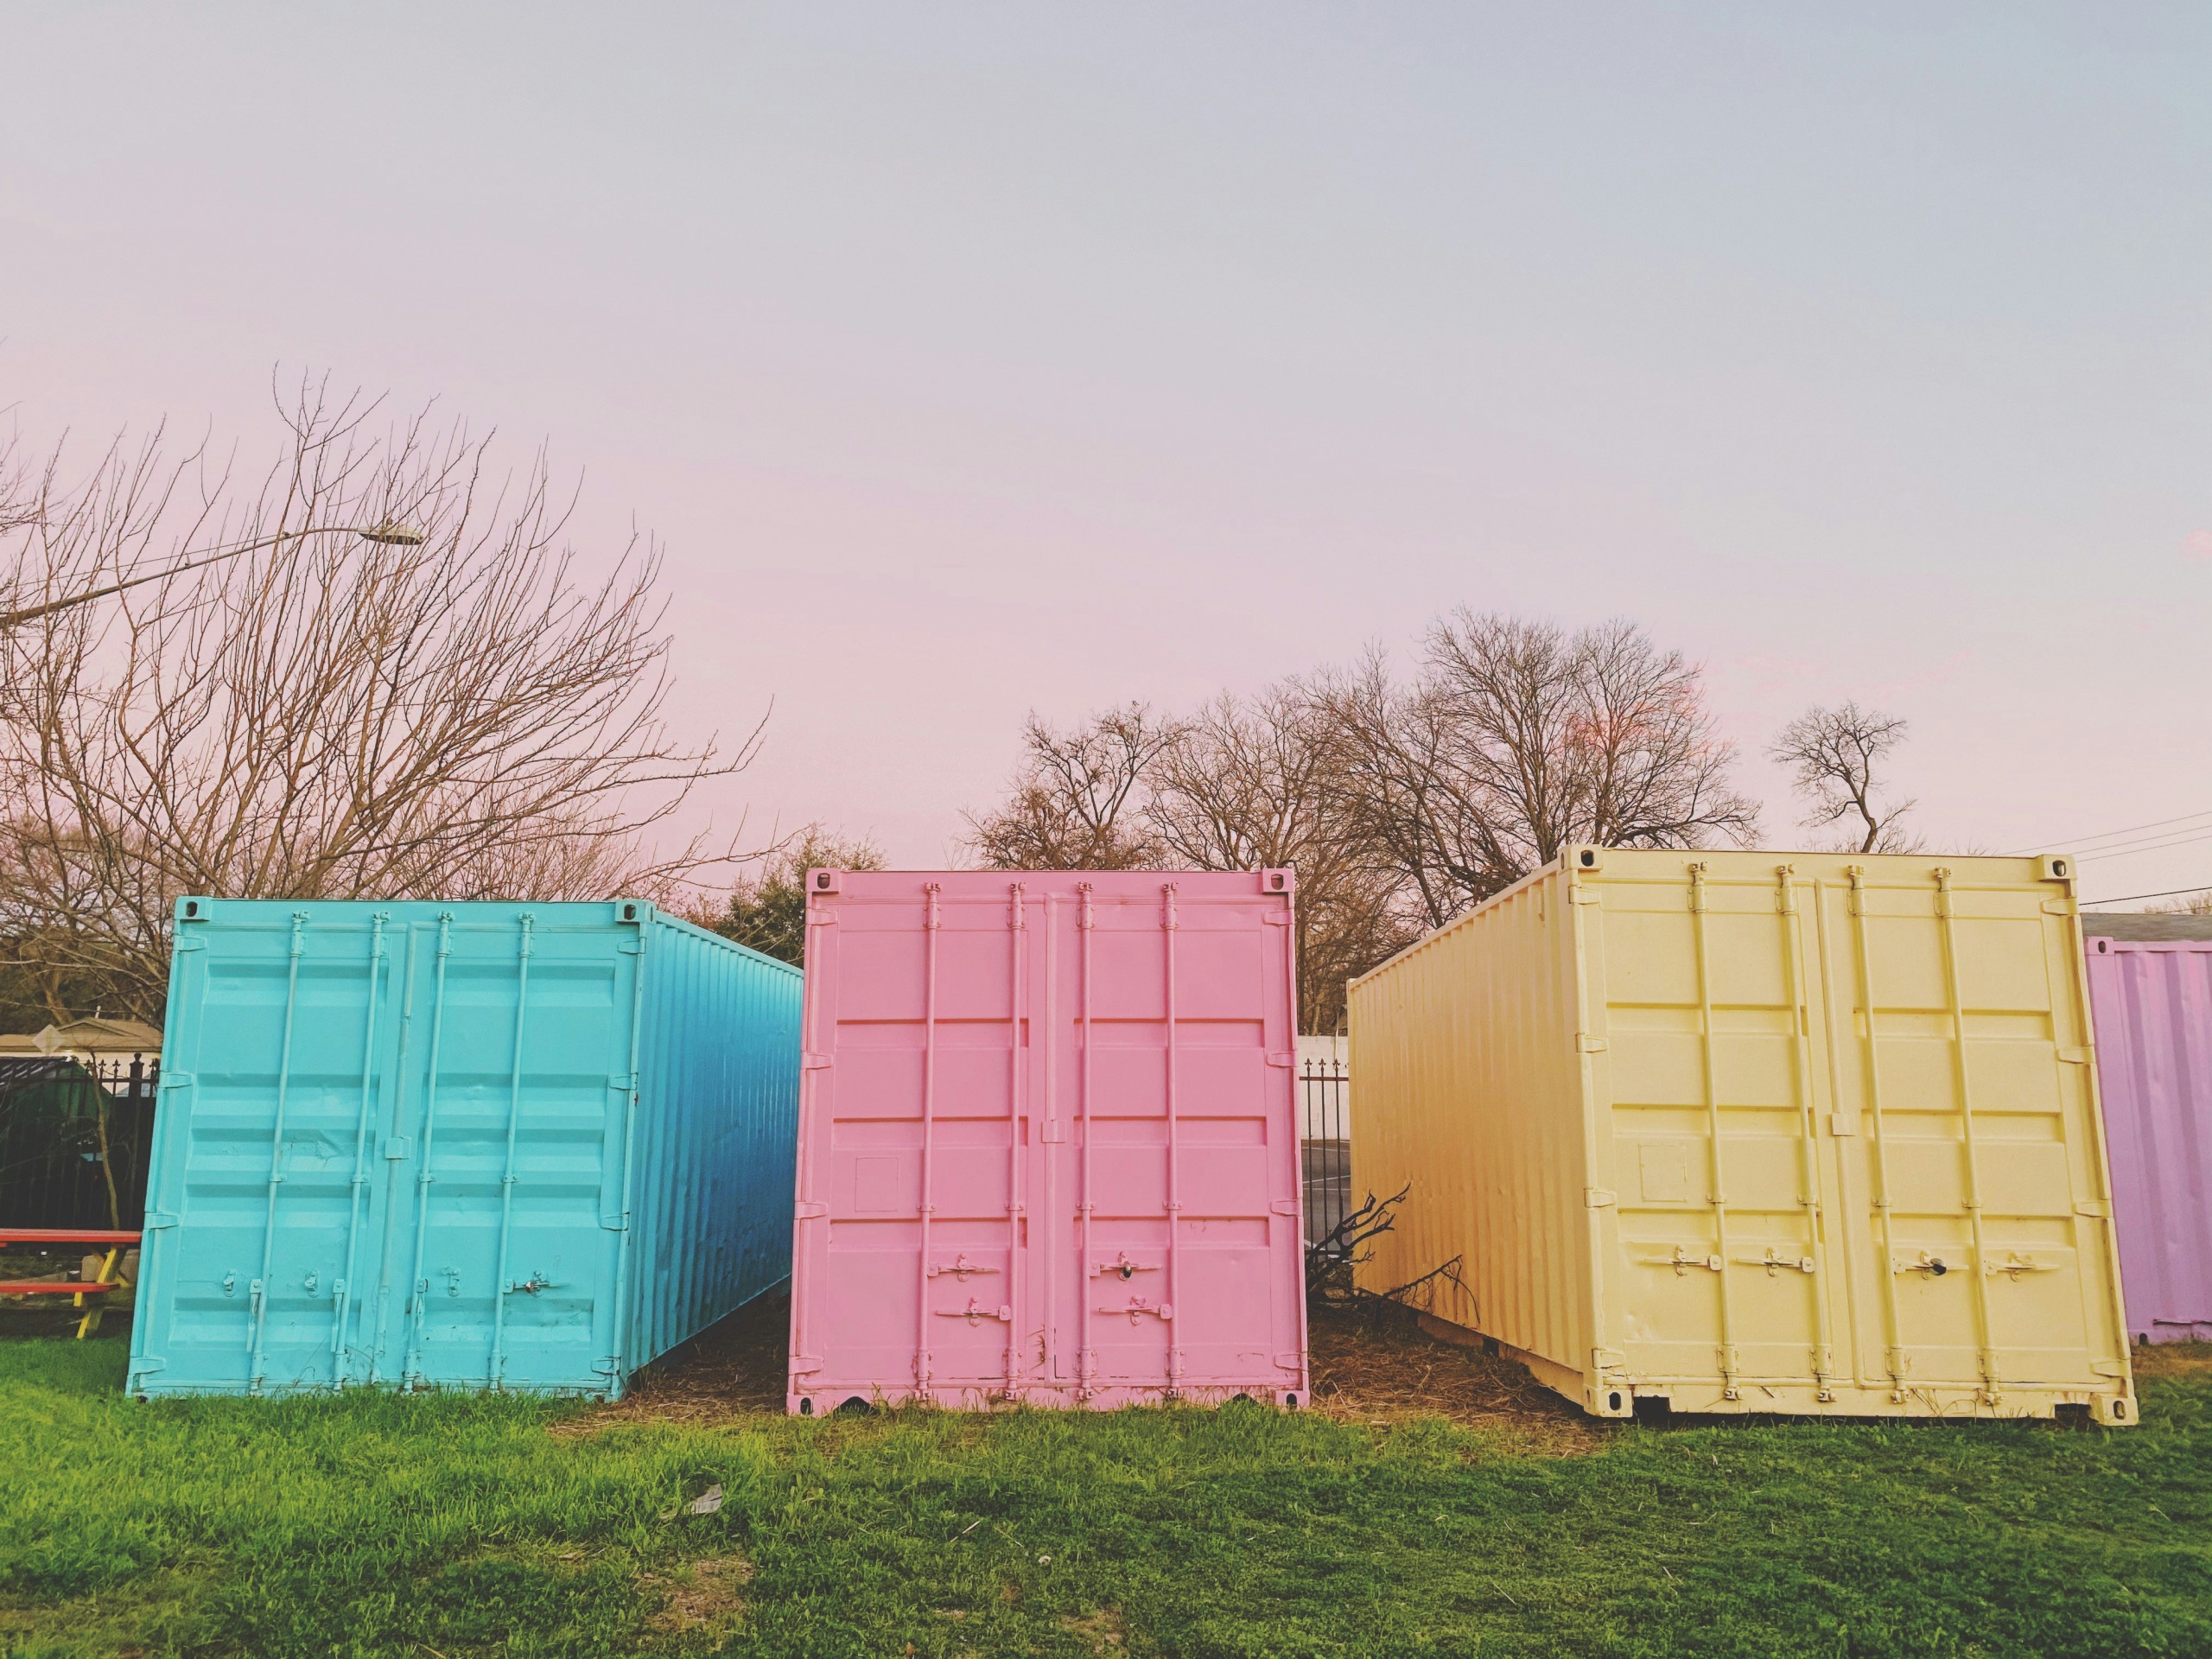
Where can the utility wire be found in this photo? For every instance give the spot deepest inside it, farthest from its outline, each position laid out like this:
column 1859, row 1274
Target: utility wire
column 2128, row 850
column 2109, row 834
column 2130, row 898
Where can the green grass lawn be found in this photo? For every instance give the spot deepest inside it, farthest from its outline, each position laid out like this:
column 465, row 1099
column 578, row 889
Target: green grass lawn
column 452, row 1526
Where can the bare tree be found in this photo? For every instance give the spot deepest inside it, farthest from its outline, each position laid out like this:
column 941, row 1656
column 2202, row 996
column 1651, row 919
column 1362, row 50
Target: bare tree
column 1078, row 802
column 18, row 502
column 460, row 719
column 1249, row 784
column 1414, row 822
column 1837, row 756
column 1518, row 739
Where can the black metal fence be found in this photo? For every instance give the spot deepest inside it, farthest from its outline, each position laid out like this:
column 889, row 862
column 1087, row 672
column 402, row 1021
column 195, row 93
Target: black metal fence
column 74, row 1140
column 1324, row 1149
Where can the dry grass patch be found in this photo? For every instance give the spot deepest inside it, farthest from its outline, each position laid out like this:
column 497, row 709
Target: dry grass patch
column 1105, row 1630
column 708, row 1593
column 2182, row 1360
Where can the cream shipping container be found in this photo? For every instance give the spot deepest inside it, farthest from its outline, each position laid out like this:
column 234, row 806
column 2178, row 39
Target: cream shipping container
column 1755, row 1132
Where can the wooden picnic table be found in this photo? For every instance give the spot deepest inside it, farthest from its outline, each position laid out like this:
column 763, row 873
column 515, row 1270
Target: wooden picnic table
column 107, row 1281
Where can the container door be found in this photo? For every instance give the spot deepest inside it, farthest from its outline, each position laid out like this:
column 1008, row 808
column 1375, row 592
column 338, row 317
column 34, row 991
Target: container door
column 501, row 1212
column 918, row 1147
column 1706, row 1020
column 1964, row 1177
column 1173, row 1137
column 262, row 1225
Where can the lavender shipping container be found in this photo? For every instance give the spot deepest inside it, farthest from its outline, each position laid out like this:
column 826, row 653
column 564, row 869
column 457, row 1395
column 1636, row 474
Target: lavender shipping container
column 1048, row 1140
column 2152, row 999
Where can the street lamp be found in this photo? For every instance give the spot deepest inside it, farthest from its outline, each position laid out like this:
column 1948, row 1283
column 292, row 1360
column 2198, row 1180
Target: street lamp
column 384, row 535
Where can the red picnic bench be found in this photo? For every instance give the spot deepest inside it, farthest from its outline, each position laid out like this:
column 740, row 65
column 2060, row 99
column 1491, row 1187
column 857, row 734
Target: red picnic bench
column 96, row 1288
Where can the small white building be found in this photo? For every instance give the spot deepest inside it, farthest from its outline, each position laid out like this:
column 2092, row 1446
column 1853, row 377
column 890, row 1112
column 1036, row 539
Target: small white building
column 96, row 1042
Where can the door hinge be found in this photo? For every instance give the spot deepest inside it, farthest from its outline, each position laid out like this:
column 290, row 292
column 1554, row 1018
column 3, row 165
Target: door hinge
column 1282, row 1059
column 1582, row 895
column 1290, row 1362
column 2075, row 1056
column 810, row 1209
column 805, row 1364
column 176, row 1079
column 1585, row 1042
column 150, row 1363
column 1599, row 1196
column 2108, row 1367
column 2057, row 907
column 2097, row 1209
column 815, row 1062
column 1608, row 1359
column 156, row 1219
column 631, row 945
column 1284, row 1207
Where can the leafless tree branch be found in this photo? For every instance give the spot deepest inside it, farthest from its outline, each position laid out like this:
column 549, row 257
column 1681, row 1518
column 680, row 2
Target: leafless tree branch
column 1836, row 756
column 327, row 718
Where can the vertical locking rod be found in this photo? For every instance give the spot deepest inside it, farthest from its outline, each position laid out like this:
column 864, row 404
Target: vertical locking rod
column 1583, row 898
column 628, row 1263
column 1718, row 1197
column 1992, row 1386
column 930, row 922
column 1169, row 926
column 417, row 1287
column 1801, row 1090
column 1018, row 925
column 1048, row 1234
column 385, row 1234
column 258, row 1313
column 496, row 1374
column 1895, row 1360
column 1086, row 921
column 342, row 1293
column 814, row 1043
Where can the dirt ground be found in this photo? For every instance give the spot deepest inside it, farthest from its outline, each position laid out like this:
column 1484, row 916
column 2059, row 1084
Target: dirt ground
column 1371, row 1365
column 2173, row 1359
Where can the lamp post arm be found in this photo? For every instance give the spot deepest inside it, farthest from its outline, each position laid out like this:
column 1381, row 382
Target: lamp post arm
column 16, row 618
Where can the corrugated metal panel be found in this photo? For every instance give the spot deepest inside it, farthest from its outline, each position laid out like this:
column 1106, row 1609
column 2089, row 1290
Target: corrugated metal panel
column 462, row 1144
column 2153, row 1005
column 713, row 1198
column 1048, row 1145
column 1751, row 1134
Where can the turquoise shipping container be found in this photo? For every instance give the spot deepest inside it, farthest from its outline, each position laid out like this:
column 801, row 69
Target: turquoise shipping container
column 479, row 1145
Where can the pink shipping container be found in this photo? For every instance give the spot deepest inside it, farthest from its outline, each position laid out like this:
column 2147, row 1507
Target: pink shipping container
column 2151, row 1001
column 1048, row 1140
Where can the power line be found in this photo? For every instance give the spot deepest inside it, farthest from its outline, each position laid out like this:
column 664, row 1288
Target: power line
column 2128, row 850
column 2130, row 898
column 2107, row 835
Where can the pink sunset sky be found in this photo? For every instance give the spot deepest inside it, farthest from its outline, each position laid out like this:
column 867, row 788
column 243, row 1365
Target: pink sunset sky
column 970, row 359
